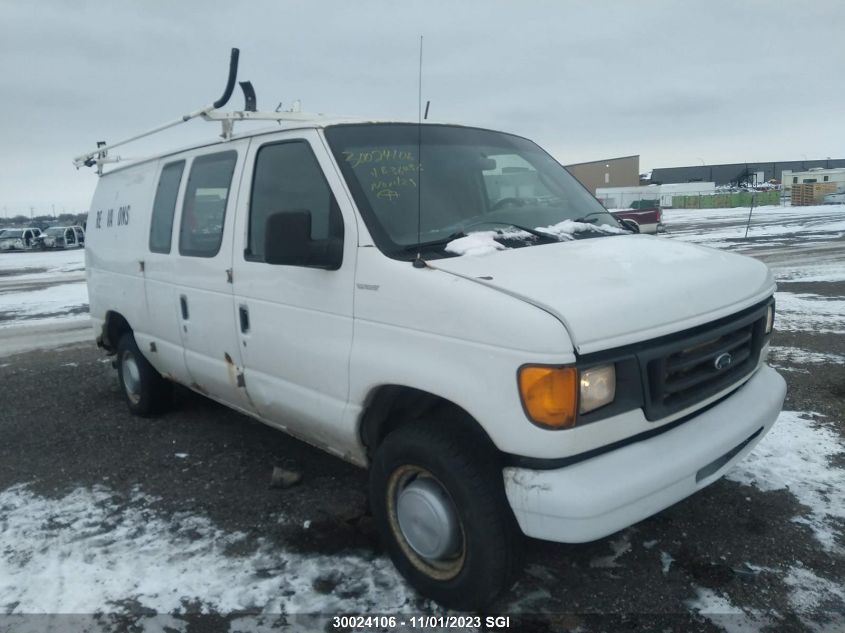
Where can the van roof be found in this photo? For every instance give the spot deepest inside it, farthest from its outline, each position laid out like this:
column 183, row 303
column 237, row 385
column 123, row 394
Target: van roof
column 318, row 122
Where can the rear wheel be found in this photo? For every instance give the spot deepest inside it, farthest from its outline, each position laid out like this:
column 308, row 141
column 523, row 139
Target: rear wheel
column 439, row 504
column 144, row 389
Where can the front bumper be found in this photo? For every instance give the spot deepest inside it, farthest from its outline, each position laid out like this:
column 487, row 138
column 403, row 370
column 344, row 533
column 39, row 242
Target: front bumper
column 602, row 495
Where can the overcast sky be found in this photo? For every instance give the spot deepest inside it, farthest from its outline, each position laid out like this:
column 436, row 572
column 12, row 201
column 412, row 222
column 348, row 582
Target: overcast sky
column 676, row 82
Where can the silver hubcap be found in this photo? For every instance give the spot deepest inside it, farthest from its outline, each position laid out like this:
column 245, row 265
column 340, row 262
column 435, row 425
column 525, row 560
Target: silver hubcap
column 425, row 523
column 131, row 376
column 428, row 520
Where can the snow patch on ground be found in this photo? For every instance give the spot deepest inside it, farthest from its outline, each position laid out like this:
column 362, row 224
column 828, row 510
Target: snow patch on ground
column 809, row 592
column 723, row 613
column 796, row 455
column 822, row 222
column 796, row 355
column 61, row 301
column 54, row 261
column 808, row 272
column 620, row 547
column 89, row 550
column 666, row 561
column 809, row 312
column 809, row 595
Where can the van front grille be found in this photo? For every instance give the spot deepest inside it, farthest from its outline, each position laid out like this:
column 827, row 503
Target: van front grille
column 692, row 368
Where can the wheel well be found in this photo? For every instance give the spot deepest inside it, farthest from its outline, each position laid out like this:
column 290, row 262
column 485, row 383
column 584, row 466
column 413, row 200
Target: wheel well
column 114, row 327
column 392, row 406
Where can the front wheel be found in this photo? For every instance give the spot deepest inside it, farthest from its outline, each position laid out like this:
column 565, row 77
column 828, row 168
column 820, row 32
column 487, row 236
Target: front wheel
column 145, row 390
column 440, row 508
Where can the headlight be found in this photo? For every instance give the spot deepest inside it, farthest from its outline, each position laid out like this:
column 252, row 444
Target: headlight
column 552, row 396
column 598, row 387
column 549, row 395
column 770, row 318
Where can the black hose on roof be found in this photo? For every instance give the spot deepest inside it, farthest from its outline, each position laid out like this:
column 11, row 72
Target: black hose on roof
column 230, row 84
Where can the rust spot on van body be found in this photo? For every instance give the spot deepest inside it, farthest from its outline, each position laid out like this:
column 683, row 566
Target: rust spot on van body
column 236, row 376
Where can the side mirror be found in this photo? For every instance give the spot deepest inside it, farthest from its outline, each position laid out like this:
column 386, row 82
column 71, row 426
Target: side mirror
column 630, row 224
column 287, row 242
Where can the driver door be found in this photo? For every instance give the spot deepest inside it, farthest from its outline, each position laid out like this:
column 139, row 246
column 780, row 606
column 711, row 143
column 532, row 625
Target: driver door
column 295, row 321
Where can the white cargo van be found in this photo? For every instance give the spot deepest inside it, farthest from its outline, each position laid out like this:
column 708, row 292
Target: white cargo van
column 447, row 306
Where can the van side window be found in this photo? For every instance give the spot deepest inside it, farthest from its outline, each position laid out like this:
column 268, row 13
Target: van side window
column 161, row 227
column 204, row 209
column 288, row 177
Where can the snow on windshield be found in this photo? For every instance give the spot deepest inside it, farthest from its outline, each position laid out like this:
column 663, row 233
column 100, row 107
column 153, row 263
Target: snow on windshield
column 485, row 242
column 566, row 229
column 480, row 243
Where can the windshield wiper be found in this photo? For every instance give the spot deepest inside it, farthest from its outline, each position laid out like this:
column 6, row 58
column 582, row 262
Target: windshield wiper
column 593, row 213
column 538, row 234
column 413, row 248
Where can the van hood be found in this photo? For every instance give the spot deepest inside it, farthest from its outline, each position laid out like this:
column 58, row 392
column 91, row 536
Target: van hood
column 618, row 290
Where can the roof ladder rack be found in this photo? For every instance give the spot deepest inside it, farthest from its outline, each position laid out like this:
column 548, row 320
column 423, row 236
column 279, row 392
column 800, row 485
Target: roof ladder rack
column 100, row 156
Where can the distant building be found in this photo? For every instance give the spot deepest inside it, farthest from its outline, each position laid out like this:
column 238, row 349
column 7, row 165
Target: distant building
column 739, row 173
column 834, row 176
column 610, row 172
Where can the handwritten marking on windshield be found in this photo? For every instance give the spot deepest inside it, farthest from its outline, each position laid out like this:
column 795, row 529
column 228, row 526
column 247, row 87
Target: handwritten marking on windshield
column 376, row 156
column 388, row 170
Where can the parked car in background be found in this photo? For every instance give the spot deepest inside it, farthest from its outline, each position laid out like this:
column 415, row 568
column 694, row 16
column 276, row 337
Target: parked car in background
column 650, row 220
column 835, row 198
column 62, row 237
column 18, row 239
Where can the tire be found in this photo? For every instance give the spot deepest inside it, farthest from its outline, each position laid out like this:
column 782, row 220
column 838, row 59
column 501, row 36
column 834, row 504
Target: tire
column 420, row 467
column 144, row 389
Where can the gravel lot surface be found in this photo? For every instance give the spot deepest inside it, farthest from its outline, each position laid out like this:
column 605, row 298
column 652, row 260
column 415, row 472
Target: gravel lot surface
column 104, row 513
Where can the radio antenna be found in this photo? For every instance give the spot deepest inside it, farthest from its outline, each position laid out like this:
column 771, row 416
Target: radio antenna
column 418, row 262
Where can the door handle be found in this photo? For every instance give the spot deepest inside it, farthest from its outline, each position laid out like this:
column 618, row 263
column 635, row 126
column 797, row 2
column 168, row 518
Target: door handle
column 183, row 303
column 243, row 313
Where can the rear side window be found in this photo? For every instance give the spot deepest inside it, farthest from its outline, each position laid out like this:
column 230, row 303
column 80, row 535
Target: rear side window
column 204, row 209
column 161, row 228
column 289, row 178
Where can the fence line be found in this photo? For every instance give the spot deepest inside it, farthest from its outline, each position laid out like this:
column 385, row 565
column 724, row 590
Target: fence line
column 708, row 199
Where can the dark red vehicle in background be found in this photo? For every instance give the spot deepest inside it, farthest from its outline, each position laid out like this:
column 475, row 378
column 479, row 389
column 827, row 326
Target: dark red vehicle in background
column 648, row 216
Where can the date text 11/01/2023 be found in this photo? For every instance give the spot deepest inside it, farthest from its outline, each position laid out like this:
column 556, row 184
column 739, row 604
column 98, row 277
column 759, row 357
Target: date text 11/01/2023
column 434, row 622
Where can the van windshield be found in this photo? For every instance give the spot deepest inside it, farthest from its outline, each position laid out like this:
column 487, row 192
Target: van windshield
column 463, row 180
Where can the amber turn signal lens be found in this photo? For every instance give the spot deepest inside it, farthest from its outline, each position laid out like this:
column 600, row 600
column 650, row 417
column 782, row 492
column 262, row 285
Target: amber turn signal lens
column 549, row 395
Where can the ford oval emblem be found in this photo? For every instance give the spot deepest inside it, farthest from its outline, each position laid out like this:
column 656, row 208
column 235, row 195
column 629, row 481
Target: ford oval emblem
column 723, row 361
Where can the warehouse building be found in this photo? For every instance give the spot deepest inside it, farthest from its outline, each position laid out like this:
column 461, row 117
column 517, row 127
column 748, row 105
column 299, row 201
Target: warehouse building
column 748, row 174
column 609, row 172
